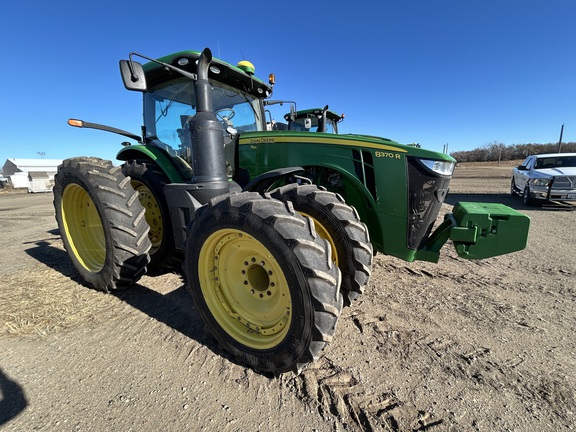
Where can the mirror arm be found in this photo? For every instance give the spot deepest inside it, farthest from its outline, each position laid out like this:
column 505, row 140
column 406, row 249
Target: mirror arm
column 83, row 124
column 192, row 76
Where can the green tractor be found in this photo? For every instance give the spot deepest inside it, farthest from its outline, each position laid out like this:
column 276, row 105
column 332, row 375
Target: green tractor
column 275, row 230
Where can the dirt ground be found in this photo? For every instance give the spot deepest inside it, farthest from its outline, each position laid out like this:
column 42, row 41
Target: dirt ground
column 455, row 346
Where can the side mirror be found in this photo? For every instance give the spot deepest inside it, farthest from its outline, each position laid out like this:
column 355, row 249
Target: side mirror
column 133, row 75
column 292, row 113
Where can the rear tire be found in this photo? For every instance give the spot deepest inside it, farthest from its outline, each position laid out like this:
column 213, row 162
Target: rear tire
column 101, row 222
column 340, row 224
column 263, row 281
column 149, row 180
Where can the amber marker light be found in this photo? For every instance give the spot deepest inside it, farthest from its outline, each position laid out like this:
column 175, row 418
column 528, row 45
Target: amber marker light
column 76, row 123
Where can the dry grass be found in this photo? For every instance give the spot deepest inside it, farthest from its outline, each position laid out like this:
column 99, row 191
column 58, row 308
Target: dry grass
column 44, row 302
column 508, row 163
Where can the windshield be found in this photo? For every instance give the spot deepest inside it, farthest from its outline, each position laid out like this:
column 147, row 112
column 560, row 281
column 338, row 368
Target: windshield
column 555, row 162
column 168, row 106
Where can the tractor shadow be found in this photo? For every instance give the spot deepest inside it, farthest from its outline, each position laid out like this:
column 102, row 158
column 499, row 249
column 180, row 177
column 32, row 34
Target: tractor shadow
column 57, row 259
column 176, row 309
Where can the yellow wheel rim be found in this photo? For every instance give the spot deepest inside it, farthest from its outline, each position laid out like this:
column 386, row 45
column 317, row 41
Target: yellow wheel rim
column 323, row 233
column 245, row 289
column 83, row 228
column 153, row 215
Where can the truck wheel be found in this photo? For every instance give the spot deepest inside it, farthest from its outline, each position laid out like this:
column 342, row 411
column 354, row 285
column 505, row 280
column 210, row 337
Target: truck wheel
column 340, row 224
column 526, row 197
column 513, row 189
column 101, row 222
column 149, row 180
column 263, row 281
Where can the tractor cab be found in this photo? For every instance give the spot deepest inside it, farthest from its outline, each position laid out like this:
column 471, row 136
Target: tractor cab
column 309, row 120
column 169, row 107
column 314, row 120
column 170, row 102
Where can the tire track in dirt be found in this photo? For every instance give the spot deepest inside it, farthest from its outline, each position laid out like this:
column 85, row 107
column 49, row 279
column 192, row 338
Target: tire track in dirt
column 334, row 391
column 474, row 297
column 467, row 365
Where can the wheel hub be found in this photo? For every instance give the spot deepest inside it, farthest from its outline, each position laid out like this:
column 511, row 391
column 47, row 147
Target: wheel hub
column 83, row 227
column 245, row 288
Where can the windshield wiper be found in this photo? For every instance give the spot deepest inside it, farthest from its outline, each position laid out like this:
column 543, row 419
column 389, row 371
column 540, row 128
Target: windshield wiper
column 164, row 112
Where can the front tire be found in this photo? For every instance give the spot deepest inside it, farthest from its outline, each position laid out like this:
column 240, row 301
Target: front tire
column 263, row 281
column 340, row 224
column 526, row 197
column 101, row 222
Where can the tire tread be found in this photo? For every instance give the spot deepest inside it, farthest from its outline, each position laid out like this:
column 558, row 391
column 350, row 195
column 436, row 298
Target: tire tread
column 127, row 234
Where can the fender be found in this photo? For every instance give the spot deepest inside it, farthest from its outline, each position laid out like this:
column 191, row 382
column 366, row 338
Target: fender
column 156, row 155
column 361, row 199
column 263, row 182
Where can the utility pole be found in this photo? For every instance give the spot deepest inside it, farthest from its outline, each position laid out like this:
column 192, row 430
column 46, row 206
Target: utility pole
column 560, row 140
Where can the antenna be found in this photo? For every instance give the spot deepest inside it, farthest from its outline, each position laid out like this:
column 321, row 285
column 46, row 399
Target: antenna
column 42, row 154
column 560, row 140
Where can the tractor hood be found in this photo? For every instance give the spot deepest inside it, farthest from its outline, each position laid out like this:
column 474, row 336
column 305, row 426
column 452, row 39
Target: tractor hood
column 383, row 147
column 376, row 142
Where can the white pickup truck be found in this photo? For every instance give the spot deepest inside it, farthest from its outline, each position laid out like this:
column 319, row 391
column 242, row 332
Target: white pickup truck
column 545, row 177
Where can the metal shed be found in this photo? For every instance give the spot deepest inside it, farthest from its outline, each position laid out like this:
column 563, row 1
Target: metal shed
column 35, row 174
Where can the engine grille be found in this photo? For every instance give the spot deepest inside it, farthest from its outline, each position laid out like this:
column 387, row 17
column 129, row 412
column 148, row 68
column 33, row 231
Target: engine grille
column 564, row 182
column 426, row 193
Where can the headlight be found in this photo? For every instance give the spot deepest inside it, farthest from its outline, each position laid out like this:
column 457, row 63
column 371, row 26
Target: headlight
column 439, row 167
column 540, row 181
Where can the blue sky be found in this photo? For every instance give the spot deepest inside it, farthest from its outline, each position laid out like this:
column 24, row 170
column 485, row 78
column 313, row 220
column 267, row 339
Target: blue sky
column 459, row 72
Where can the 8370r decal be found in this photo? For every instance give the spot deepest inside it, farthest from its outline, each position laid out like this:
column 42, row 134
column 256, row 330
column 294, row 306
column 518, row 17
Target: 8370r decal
column 381, row 154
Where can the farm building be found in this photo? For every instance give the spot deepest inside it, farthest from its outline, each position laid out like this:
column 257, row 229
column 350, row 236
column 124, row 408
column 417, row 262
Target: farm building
column 37, row 175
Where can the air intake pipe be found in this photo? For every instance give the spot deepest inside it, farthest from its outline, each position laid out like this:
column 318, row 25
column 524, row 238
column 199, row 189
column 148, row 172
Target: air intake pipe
column 207, row 133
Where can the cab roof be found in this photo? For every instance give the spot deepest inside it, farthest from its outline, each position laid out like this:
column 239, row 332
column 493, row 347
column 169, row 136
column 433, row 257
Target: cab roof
column 219, row 70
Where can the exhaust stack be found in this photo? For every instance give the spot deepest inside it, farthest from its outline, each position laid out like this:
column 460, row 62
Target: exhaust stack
column 207, row 135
